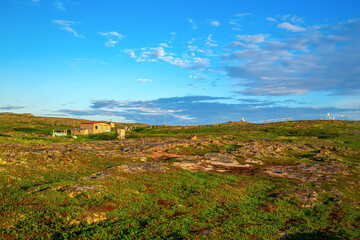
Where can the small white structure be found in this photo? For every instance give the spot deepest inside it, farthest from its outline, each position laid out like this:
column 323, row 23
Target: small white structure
column 121, row 133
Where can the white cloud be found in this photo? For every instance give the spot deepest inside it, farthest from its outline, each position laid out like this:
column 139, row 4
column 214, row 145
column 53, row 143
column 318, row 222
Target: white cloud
column 158, row 52
column 59, row 5
column 63, row 22
column 320, row 59
column 192, row 24
column 215, row 23
column 66, row 26
column 257, row 38
column 143, row 80
column 271, row 19
column 180, row 62
column 295, row 19
column 285, row 17
column 114, row 37
column 112, row 33
column 211, row 42
column 291, row 27
column 164, row 45
column 130, row 52
column 69, row 29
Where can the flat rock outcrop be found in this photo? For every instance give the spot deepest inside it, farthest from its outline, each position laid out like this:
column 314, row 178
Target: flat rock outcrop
column 142, row 167
column 309, row 172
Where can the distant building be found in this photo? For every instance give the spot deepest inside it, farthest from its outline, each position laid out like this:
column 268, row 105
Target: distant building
column 112, row 125
column 59, row 132
column 79, row 131
column 96, row 127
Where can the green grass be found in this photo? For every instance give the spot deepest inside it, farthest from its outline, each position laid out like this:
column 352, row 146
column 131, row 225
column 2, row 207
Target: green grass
column 180, row 204
column 177, row 204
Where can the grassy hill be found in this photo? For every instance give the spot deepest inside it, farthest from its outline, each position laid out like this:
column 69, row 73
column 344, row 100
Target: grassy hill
column 294, row 179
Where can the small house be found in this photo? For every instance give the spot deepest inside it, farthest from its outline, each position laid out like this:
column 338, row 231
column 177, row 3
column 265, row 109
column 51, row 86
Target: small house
column 59, row 132
column 79, row 131
column 96, row 127
column 112, row 125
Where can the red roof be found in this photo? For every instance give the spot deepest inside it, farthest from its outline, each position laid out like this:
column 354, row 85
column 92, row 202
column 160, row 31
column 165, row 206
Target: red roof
column 94, row 123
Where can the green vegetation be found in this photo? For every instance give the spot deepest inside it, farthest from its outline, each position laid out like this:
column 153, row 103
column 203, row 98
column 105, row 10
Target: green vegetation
column 46, row 191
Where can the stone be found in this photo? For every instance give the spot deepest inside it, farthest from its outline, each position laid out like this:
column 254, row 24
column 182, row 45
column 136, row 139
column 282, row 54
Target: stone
column 194, row 166
column 193, row 137
column 96, row 217
column 100, row 176
column 142, row 167
column 249, row 160
column 308, row 172
column 221, row 159
column 2, row 162
column 74, row 222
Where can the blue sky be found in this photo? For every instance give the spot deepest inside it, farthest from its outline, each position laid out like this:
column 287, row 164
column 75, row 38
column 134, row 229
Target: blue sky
column 197, row 61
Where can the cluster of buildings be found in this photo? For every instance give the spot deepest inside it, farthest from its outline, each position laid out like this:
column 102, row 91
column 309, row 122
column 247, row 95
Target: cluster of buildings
column 90, row 128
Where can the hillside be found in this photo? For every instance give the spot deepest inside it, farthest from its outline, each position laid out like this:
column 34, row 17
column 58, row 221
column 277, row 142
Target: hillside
column 294, row 179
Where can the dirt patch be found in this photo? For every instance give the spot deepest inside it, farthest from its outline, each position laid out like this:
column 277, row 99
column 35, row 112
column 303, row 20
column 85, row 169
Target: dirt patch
column 160, row 156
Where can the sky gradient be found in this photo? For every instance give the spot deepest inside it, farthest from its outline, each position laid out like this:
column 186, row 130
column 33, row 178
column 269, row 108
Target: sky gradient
column 199, row 62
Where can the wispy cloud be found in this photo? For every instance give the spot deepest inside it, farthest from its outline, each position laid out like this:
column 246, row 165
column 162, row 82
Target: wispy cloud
column 215, row 23
column 291, row 27
column 271, row 19
column 143, row 80
column 11, row 107
column 156, row 54
column 292, row 18
column 80, row 59
column 59, row 4
column 67, row 26
column 113, row 38
column 200, row 110
column 256, row 38
column 242, row 14
column 191, row 21
column 210, row 41
column 130, row 52
column 320, row 59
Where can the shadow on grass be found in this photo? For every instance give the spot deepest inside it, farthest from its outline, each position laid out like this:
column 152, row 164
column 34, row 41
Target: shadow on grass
column 313, row 236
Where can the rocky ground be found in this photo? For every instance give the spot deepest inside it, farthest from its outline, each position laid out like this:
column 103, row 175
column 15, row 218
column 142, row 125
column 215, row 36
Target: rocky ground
column 97, row 182
column 269, row 157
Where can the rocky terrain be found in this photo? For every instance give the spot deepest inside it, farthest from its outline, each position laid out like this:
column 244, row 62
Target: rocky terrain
column 193, row 185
